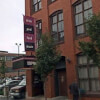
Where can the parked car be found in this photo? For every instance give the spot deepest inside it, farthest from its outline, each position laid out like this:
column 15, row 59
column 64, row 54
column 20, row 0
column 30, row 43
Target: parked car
column 18, row 91
column 9, row 84
column 17, row 78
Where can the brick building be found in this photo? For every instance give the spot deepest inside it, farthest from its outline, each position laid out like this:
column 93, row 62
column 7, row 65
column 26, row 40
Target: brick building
column 7, row 57
column 66, row 21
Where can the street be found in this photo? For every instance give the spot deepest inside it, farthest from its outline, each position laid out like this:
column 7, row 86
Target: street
column 4, row 98
column 31, row 98
column 16, row 99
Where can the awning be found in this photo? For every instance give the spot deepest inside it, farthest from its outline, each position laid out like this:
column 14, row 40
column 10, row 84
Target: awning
column 24, row 62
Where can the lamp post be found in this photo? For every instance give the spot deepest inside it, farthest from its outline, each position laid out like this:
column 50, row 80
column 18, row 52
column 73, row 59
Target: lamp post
column 18, row 45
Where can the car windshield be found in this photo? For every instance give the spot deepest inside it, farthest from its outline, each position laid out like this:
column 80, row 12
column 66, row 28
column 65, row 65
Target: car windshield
column 22, row 83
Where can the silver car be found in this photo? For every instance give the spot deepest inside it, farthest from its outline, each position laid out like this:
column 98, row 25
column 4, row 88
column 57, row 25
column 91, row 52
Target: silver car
column 9, row 84
column 18, row 91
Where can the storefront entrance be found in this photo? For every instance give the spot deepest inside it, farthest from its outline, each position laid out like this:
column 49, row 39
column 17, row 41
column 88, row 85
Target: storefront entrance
column 62, row 83
column 60, row 79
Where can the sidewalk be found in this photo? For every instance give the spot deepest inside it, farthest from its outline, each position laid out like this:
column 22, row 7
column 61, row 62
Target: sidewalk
column 42, row 98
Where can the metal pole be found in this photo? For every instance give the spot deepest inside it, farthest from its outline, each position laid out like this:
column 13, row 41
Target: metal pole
column 18, row 50
column 18, row 45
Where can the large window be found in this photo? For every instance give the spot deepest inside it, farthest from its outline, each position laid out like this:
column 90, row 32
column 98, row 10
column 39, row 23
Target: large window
column 88, row 74
column 57, row 26
column 83, row 10
column 36, row 5
column 39, row 31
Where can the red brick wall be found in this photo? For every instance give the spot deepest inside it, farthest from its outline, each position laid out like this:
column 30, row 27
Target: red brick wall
column 29, row 82
column 90, row 98
column 69, row 47
column 50, row 89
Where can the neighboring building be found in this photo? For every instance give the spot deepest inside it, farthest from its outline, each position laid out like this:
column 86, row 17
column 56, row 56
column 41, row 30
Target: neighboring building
column 7, row 57
column 65, row 19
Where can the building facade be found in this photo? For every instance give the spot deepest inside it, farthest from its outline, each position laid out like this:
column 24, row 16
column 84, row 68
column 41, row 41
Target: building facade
column 65, row 20
column 7, row 57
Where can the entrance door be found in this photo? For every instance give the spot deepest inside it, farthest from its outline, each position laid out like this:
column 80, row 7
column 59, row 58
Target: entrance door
column 62, row 82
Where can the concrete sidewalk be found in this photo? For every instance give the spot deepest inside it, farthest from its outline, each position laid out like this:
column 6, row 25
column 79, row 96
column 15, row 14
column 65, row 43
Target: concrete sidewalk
column 42, row 98
column 37, row 98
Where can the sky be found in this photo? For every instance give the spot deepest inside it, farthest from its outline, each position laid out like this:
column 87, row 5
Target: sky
column 11, row 25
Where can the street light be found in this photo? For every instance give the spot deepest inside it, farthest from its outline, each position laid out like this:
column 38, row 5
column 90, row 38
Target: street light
column 18, row 45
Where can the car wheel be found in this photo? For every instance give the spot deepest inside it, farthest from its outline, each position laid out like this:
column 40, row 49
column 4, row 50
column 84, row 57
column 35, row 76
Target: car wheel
column 23, row 95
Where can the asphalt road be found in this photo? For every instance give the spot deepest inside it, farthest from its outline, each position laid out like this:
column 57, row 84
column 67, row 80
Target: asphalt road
column 4, row 98
column 15, row 99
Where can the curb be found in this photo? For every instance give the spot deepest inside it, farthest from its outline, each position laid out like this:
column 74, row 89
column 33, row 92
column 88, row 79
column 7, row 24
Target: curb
column 2, row 96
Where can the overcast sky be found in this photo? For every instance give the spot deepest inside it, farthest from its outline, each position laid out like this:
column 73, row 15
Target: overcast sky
column 11, row 25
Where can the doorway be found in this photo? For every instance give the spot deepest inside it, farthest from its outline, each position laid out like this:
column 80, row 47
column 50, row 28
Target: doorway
column 60, row 78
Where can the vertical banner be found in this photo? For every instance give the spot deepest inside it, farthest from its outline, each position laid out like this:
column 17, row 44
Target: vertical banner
column 29, row 33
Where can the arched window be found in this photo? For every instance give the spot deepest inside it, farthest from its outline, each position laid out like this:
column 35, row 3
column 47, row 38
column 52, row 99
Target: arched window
column 51, row 1
column 57, row 26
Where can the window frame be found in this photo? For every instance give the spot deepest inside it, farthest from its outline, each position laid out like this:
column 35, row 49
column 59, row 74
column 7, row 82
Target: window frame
column 88, row 65
column 83, row 18
column 50, row 1
column 38, row 7
column 39, row 31
column 56, row 23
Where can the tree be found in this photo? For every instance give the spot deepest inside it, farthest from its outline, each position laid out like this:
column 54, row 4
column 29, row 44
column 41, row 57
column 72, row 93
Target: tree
column 92, row 48
column 3, row 69
column 47, row 57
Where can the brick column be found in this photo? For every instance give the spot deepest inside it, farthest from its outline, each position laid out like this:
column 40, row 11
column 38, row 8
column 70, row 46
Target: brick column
column 50, row 88
column 29, row 81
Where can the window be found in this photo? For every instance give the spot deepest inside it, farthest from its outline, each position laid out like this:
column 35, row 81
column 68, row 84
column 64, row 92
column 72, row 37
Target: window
column 2, row 57
column 57, row 26
column 53, row 0
column 36, row 5
column 8, row 58
column 39, row 31
column 9, row 70
column 88, row 74
column 83, row 10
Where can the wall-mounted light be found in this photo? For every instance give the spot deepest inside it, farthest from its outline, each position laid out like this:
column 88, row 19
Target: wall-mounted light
column 68, row 59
